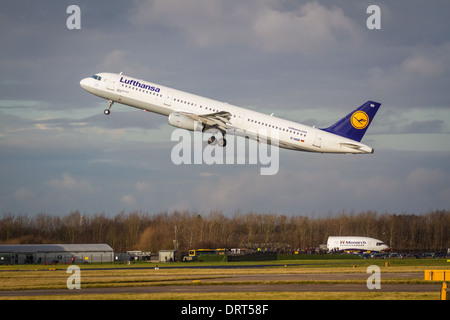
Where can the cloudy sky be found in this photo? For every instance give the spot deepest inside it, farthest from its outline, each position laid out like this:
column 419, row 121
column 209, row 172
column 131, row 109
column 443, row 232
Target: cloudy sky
column 309, row 61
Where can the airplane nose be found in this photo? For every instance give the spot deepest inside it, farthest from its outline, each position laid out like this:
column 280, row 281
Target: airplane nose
column 84, row 83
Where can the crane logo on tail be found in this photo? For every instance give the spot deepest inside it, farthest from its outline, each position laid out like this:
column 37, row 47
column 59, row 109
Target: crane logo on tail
column 360, row 120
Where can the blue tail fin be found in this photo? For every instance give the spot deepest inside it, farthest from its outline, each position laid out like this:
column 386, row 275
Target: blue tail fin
column 355, row 124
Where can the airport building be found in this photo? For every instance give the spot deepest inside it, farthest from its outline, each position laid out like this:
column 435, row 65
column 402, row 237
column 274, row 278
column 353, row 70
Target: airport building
column 55, row 253
column 167, row 255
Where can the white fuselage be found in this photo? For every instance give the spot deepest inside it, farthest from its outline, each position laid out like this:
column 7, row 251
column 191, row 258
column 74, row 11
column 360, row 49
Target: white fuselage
column 244, row 122
column 350, row 243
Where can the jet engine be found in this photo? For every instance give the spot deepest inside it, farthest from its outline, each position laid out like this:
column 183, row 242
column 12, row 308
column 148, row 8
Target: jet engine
column 179, row 120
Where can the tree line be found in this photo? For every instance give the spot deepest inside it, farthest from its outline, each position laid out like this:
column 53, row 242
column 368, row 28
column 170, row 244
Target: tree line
column 184, row 230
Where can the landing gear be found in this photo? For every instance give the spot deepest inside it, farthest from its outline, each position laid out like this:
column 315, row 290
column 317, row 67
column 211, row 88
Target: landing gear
column 222, row 142
column 108, row 111
column 212, row 140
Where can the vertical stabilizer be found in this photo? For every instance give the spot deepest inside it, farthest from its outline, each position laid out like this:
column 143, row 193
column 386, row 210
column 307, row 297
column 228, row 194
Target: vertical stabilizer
column 355, row 124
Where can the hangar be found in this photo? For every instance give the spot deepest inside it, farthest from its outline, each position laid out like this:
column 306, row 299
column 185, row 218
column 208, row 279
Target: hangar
column 55, row 253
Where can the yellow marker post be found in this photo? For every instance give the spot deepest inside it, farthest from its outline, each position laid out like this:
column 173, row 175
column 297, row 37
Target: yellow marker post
column 445, row 291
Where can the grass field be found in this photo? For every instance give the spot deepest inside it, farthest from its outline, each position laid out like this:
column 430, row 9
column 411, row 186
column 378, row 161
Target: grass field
column 33, row 277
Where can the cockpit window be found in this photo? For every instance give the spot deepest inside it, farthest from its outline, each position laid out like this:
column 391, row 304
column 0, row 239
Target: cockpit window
column 96, row 77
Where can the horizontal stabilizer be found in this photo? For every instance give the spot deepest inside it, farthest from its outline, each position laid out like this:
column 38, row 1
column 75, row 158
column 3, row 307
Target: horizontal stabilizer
column 351, row 145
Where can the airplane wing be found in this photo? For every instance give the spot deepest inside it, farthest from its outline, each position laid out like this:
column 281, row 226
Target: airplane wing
column 219, row 120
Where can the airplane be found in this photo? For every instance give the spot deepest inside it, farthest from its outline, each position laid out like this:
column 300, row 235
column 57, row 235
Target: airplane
column 355, row 244
column 196, row 113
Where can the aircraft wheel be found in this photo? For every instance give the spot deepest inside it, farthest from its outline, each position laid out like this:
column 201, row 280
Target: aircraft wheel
column 107, row 111
column 222, row 143
column 211, row 140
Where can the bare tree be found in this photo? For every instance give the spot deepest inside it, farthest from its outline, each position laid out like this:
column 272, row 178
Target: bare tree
column 143, row 231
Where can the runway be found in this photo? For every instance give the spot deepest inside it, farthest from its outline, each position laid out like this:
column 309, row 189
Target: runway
column 252, row 283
